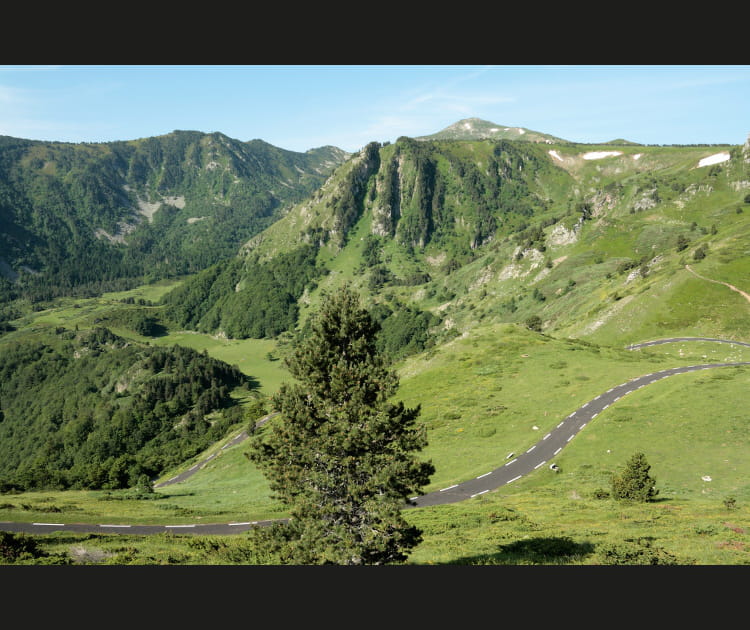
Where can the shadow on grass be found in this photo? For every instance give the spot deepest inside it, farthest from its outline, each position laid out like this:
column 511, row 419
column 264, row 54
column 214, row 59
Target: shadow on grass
column 543, row 551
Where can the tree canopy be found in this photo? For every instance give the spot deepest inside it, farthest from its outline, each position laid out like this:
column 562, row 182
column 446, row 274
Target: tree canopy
column 341, row 454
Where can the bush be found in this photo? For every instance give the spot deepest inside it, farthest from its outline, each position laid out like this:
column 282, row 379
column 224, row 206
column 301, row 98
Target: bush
column 635, row 552
column 534, row 323
column 634, row 483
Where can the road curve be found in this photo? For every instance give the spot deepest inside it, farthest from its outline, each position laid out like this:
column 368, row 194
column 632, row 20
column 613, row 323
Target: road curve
column 535, row 457
column 196, row 467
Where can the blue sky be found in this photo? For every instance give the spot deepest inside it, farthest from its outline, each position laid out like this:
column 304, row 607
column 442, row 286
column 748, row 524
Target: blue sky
column 301, row 107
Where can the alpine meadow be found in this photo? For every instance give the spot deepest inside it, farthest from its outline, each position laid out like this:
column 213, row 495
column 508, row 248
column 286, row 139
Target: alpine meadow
column 485, row 346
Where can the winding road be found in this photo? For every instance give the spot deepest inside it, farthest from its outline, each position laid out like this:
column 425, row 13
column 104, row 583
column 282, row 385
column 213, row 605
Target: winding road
column 537, row 456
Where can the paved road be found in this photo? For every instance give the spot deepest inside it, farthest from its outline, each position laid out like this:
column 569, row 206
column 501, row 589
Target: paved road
column 538, row 456
column 194, row 469
column 658, row 342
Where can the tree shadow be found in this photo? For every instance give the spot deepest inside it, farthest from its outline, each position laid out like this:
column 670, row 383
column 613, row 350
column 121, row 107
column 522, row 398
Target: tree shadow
column 540, row 551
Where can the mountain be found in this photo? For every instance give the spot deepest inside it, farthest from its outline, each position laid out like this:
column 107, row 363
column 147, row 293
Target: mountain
column 478, row 129
column 81, row 218
column 598, row 242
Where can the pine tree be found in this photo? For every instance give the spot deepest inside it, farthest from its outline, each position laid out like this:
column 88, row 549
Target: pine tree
column 340, row 454
column 634, row 483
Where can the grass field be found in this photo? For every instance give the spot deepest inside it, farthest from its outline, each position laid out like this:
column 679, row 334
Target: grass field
column 508, row 386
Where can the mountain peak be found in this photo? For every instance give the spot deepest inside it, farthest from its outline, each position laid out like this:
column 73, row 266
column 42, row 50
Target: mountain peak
column 480, row 129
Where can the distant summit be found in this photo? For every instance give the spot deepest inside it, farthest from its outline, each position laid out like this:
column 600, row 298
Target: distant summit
column 621, row 142
column 478, row 129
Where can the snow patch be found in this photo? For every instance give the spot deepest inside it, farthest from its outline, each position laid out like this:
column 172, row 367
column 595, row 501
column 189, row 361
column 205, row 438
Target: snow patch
column 555, row 155
column 716, row 158
column 598, row 155
column 637, row 156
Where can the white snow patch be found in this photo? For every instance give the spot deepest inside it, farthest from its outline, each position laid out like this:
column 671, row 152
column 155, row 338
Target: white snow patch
column 598, row 155
column 521, row 131
column 714, row 159
column 555, row 155
column 637, row 156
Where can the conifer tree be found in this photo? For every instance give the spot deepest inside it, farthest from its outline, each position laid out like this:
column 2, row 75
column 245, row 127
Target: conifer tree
column 634, row 483
column 340, row 454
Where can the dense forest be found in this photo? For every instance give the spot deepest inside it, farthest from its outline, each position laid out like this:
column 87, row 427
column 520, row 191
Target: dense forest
column 79, row 219
column 93, row 410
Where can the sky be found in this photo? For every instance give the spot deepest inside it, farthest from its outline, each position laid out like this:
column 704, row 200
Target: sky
column 300, row 107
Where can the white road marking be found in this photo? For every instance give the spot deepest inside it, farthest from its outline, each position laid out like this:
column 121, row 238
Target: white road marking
column 539, row 464
column 546, row 436
column 557, row 451
column 562, row 423
column 586, row 405
column 103, row 525
column 511, row 461
column 179, row 526
column 51, row 524
column 478, row 493
column 514, row 478
column 194, row 467
column 569, row 439
column 605, row 406
column 247, row 523
column 455, row 485
column 484, row 475
column 531, row 449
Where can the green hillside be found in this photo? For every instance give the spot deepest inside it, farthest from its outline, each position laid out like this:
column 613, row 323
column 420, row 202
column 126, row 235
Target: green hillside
column 594, row 241
column 508, row 278
column 79, row 219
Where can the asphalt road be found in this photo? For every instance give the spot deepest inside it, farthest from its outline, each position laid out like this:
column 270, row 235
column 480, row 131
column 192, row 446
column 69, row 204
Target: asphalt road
column 539, row 456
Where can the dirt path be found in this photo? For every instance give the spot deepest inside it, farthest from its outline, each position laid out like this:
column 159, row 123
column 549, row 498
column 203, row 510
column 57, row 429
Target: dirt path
column 726, row 284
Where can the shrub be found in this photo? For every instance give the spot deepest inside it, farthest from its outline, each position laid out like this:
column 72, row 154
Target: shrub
column 634, row 483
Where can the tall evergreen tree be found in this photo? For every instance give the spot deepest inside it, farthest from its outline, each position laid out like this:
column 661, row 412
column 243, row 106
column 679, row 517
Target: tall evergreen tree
column 341, row 455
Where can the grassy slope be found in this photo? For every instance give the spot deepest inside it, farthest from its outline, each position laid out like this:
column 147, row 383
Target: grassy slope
column 497, row 389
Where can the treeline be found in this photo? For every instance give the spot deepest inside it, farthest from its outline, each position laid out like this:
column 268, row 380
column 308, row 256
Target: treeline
column 92, row 410
column 246, row 299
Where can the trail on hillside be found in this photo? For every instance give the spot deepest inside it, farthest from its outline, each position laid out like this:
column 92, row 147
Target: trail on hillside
column 726, row 284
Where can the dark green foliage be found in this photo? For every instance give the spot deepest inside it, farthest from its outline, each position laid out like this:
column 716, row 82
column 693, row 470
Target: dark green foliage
column 634, row 483
column 340, row 454
column 403, row 330
column 534, row 322
column 57, row 201
column 265, row 306
column 640, row 551
column 96, row 411
column 347, row 207
column 682, row 242
column 700, row 253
